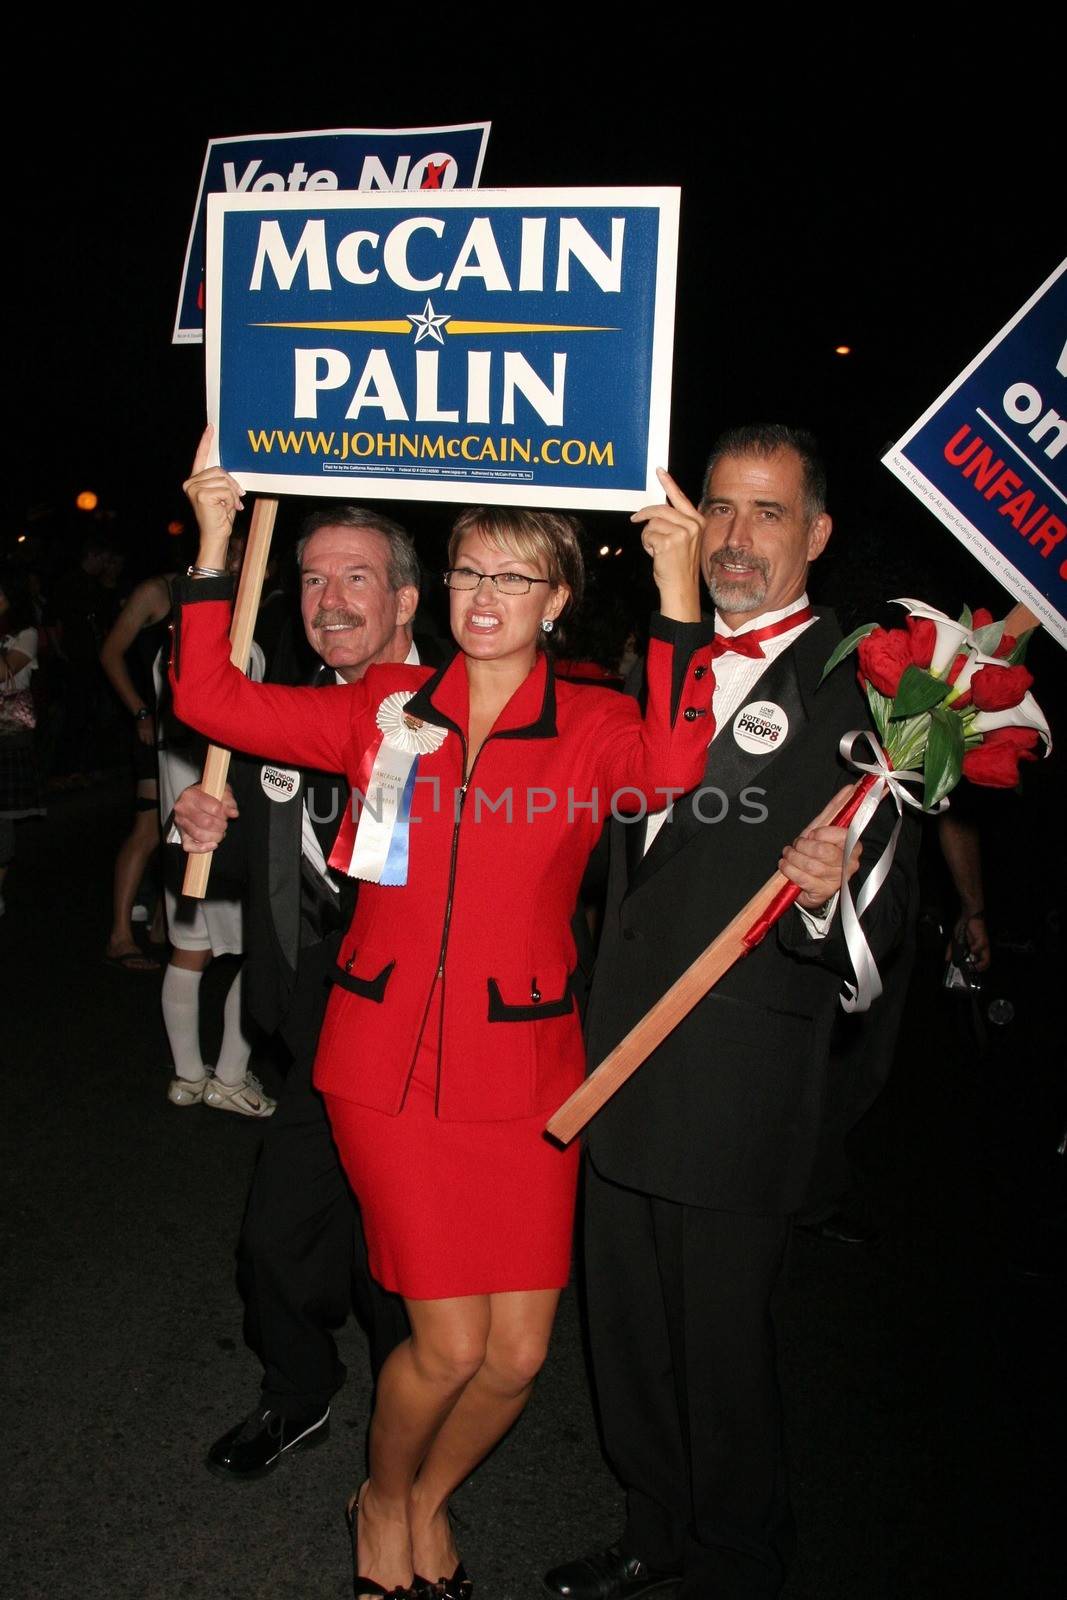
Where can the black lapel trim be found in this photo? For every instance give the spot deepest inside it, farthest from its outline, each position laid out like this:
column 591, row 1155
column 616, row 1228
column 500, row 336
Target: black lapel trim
column 421, row 703
column 544, row 727
column 812, row 651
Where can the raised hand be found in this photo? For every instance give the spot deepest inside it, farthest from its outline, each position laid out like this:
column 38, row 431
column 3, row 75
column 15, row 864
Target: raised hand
column 216, row 499
column 672, row 535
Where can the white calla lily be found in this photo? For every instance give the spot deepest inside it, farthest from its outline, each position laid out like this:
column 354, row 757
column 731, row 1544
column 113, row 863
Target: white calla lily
column 1027, row 714
column 970, row 667
column 952, row 636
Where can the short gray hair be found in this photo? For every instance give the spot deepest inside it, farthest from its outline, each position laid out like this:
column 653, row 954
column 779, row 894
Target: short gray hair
column 402, row 564
column 766, row 439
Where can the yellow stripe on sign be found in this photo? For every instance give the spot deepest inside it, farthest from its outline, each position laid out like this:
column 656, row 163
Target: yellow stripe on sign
column 522, row 327
column 450, row 327
column 342, row 327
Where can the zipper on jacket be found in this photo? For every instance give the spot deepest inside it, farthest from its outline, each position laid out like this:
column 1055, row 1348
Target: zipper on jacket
column 439, row 974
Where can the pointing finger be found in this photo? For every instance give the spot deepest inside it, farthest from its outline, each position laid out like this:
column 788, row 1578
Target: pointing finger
column 202, row 458
column 675, row 496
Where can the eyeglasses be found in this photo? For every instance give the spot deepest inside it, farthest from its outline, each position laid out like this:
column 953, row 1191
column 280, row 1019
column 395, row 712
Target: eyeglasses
column 503, row 582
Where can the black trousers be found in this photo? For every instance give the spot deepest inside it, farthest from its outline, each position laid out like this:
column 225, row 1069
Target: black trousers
column 301, row 1257
column 685, row 1369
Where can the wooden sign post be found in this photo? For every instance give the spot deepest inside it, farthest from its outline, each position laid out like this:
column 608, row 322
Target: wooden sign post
column 245, row 611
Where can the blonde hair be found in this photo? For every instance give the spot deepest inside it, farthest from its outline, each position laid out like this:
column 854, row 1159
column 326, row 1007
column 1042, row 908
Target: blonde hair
column 548, row 537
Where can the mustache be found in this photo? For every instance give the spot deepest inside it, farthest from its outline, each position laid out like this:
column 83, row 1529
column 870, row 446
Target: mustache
column 761, row 564
column 334, row 619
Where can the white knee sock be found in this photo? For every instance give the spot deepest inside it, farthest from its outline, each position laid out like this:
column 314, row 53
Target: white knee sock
column 236, row 1049
column 181, row 1018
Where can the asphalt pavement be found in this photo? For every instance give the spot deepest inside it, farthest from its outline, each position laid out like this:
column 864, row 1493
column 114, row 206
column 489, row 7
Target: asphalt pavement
column 924, row 1376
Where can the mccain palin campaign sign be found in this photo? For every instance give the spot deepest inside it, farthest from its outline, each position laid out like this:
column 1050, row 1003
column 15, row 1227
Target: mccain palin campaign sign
column 334, row 158
column 512, row 347
column 990, row 455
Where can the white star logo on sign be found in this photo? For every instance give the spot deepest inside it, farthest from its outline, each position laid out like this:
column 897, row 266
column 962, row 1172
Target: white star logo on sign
column 429, row 325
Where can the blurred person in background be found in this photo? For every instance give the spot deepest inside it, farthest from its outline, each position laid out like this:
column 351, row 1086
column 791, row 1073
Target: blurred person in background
column 19, row 784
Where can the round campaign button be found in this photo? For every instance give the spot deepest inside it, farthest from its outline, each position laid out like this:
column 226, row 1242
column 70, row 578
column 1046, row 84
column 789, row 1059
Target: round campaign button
column 761, row 726
column 279, row 783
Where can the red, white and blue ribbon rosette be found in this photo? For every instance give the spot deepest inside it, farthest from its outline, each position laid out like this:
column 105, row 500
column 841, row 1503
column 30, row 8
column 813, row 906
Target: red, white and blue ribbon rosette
column 376, row 850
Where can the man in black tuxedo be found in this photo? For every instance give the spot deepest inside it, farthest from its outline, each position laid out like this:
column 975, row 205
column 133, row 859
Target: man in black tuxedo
column 301, row 1256
column 698, row 1162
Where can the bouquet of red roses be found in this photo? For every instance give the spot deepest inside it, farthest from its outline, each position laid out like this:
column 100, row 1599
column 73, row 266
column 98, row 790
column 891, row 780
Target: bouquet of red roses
column 949, row 699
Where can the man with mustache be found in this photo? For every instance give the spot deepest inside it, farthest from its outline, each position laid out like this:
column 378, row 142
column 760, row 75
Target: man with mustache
column 698, row 1162
column 301, row 1258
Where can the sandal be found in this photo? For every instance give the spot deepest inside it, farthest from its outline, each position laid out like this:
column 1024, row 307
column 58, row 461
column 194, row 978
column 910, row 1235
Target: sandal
column 458, row 1587
column 132, row 961
column 370, row 1588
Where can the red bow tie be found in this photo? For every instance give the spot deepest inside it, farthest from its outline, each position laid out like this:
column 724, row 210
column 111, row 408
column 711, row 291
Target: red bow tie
column 751, row 643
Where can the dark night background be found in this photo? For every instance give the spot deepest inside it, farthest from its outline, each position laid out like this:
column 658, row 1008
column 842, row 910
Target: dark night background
column 886, row 193
column 895, row 185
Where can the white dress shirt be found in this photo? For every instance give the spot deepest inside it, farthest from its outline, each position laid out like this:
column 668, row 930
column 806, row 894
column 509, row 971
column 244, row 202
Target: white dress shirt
column 736, row 681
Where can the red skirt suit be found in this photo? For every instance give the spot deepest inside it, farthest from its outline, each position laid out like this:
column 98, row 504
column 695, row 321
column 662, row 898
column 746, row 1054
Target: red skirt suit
column 451, row 1032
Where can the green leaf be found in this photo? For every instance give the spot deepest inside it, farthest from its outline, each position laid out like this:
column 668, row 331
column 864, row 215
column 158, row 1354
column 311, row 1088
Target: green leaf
column 880, row 710
column 988, row 638
column 944, row 756
column 918, row 691
column 846, row 647
column 1018, row 655
column 906, row 742
column 966, row 618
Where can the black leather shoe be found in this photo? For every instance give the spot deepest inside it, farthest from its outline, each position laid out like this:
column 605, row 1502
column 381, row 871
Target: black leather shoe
column 608, row 1575
column 840, row 1228
column 257, row 1444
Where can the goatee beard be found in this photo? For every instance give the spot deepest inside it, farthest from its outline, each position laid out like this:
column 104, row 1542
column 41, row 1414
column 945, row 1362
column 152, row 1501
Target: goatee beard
column 738, row 594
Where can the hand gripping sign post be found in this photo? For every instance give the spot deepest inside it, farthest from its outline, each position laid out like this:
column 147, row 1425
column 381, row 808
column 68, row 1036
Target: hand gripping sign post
column 510, row 347
column 986, row 459
column 245, row 611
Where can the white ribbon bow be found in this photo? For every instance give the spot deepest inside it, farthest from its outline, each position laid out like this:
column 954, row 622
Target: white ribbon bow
column 868, row 985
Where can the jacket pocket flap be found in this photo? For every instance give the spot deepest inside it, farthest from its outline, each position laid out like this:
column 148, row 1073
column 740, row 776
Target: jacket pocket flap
column 530, row 1000
column 369, row 988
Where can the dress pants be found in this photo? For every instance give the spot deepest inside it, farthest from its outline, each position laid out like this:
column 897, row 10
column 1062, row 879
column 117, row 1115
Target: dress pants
column 301, row 1258
column 684, row 1360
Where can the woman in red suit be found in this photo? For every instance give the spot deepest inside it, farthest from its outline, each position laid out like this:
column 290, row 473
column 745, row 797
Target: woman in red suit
column 451, row 1031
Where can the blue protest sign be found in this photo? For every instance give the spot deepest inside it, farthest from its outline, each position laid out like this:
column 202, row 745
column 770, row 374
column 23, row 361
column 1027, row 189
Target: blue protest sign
column 395, row 159
column 989, row 456
column 513, row 347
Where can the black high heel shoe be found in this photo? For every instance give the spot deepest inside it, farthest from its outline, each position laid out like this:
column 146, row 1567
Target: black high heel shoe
column 458, row 1587
column 370, row 1588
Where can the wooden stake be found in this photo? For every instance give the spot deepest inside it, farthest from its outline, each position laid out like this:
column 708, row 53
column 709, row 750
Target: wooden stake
column 249, row 591
column 736, row 940
column 1019, row 619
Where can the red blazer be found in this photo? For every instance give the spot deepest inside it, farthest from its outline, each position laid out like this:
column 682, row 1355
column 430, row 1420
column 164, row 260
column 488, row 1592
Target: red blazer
column 482, row 926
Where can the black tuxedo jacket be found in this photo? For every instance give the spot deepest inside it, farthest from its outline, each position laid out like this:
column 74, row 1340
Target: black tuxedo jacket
column 269, row 831
column 727, row 1112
